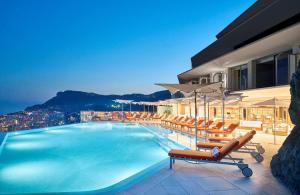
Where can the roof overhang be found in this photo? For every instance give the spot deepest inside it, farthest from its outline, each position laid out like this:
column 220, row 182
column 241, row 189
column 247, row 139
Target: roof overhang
column 281, row 41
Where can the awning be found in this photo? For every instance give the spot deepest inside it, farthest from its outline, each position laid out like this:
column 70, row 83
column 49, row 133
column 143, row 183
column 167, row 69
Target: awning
column 123, row 101
column 211, row 89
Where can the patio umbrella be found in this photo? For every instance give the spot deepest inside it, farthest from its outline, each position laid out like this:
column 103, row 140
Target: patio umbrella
column 123, row 102
column 274, row 102
column 194, row 90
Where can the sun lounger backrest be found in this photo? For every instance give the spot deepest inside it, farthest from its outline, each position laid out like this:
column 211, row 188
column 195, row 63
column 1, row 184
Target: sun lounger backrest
column 185, row 120
column 209, row 123
column 231, row 128
column 174, row 118
column 227, row 148
column 200, row 121
column 179, row 118
column 192, row 120
column 219, row 125
column 243, row 140
column 253, row 132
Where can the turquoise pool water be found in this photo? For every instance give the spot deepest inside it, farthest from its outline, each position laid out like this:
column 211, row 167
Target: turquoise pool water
column 86, row 157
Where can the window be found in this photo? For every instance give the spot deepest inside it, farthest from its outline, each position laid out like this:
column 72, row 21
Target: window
column 244, row 114
column 204, row 79
column 195, row 81
column 244, row 77
column 265, row 72
column 282, row 69
column 240, row 77
column 218, row 77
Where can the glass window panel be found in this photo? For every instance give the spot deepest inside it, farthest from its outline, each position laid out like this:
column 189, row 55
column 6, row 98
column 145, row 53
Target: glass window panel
column 282, row 70
column 244, row 78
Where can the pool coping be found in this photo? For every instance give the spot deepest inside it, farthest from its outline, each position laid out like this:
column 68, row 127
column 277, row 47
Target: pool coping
column 3, row 141
column 112, row 189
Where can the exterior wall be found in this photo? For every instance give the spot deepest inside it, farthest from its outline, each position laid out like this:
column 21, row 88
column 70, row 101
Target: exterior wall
column 252, row 71
column 164, row 109
column 267, row 21
column 251, row 75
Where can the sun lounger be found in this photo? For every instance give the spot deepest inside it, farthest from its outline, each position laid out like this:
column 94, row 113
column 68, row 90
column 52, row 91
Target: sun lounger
column 199, row 123
column 228, row 130
column 223, row 157
column 130, row 117
column 215, row 127
column 170, row 119
column 259, row 148
column 241, row 148
column 176, row 120
column 177, row 123
column 191, row 121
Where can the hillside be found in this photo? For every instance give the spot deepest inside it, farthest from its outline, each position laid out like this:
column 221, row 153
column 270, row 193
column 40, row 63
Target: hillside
column 75, row 101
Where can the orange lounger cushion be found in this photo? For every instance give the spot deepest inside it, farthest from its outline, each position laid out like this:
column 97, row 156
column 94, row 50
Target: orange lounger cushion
column 209, row 145
column 229, row 130
column 219, row 139
column 191, row 154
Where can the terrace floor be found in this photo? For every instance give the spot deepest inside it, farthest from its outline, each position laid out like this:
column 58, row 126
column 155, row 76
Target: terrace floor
column 187, row 178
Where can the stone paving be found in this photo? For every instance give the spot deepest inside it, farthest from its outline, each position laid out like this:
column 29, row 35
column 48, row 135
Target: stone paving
column 187, row 178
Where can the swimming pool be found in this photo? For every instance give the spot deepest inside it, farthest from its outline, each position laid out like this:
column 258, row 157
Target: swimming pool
column 85, row 157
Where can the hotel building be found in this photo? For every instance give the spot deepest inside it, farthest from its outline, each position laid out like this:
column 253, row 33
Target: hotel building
column 255, row 55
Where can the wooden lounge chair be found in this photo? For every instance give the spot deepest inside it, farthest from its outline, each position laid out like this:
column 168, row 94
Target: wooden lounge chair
column 148, row 117
column 199, row 123
column 192, row 127
column 130, row 117
column 157, row 116
column 183, row 120
column 259, row 148
column 191, row 121
column 241, row 148
column 176, row 120
column 206, row 157
column 170, row 120
column 164, row 117
column 115, row 116
column 204, row 126
column 228, row 130
column 215, row 127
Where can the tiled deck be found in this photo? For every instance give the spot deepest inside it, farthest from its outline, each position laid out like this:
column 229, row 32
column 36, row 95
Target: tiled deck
column 186, row 178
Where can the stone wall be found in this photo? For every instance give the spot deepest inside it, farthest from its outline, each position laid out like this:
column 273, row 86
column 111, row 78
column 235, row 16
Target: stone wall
column 285, row 165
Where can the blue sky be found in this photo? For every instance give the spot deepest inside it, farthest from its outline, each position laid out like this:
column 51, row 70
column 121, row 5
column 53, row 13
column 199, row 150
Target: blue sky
column 108, row 47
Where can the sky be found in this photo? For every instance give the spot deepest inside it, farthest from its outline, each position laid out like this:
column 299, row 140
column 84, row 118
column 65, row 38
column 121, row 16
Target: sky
column 102, row 46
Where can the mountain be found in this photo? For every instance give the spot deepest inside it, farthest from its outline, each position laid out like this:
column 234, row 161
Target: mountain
column 76, row 101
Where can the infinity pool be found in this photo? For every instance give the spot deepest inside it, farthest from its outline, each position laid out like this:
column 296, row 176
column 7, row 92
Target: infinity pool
column 86, row 157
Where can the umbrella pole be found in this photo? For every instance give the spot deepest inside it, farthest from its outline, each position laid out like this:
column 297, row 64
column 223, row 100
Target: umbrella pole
column 144, row 108
column 207, row 110
column 130, row 107
column 223, row 112
column 195, row 119
column 274, row 123
column 204, row 106
column 122, row 112
column 239, row 118
column 190, row 109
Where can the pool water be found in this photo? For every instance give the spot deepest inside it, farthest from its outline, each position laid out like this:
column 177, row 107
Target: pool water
column 79, row 158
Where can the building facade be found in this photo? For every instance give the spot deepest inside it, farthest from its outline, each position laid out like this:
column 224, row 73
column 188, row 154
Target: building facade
column 255, row 55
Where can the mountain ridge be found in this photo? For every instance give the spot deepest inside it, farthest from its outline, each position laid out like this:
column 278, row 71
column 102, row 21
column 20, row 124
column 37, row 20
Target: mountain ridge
column 70, row 101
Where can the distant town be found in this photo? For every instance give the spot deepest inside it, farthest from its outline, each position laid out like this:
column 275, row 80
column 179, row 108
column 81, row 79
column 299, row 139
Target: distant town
column 36, row 119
